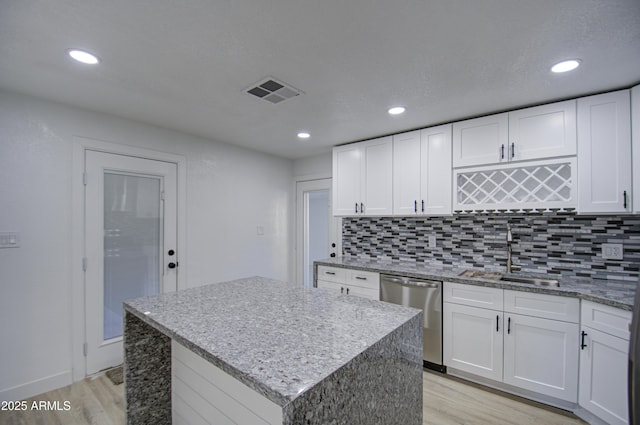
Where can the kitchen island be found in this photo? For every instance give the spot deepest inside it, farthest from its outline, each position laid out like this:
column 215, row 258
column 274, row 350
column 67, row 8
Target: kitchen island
column 264, row 351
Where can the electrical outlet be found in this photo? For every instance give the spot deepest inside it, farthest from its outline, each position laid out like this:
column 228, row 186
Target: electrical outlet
column 432, row 241
column 612, row 251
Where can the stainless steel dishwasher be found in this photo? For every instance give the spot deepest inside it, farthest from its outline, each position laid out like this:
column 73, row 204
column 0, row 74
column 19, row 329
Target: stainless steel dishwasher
column 425, row 295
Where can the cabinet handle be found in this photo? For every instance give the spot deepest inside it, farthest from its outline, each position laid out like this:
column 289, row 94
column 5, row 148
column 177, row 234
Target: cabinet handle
column 624, row 197
column 360, row 278
column 497, row 323
column 513, row 150
column 361, row 208
column 331, row 273
column 356, row 208
column 582, row 344
column 423, row 205
column 342, row 289
column 415, row 206
column 502, row 151
column 347, row 291
column 509, row 326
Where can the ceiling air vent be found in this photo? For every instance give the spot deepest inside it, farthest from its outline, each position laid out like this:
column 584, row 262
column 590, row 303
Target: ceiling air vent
column 273, row 91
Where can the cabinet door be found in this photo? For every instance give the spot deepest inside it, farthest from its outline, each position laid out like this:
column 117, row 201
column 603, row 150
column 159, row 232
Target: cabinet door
column 377, row 184
column 604, row 157
column 406, row 173
column 347, row 173
column 436, row 175
column 472, row 340
column 603, row 376
column 480, row 141
column 543, row 131
column 541, row 355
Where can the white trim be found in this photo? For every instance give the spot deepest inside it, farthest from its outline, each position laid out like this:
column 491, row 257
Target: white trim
column 39, row 386
column 77, row 296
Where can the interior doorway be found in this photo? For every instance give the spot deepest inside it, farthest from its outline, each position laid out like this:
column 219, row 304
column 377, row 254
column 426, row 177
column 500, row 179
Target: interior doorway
column 319, row 234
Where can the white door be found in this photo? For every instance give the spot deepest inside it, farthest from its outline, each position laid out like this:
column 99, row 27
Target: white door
column 318, row 232
column 542, row 131
column 406, row 174
column 130, row 244
column 347, row 175
column 377, row 179
column 603, row 376
column 472, row 340
column 541, row 355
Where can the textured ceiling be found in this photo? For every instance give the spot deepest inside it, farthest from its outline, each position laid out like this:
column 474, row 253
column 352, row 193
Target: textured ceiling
column 185, row 64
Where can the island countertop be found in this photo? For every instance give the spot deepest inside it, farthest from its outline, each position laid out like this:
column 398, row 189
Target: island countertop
column 278, row 339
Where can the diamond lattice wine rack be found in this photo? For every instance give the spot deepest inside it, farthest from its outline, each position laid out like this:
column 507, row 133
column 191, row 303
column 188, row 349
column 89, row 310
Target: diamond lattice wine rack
column 548, row 185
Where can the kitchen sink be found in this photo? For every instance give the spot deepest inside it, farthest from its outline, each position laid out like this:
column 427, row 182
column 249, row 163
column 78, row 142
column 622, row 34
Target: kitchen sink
column 509, row 278
column 531, row 280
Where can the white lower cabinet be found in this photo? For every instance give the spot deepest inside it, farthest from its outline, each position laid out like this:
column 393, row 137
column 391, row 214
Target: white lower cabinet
column 473, row 340
column 529, row 351
column 604, row 361
column 541, row 355
column 349, row 281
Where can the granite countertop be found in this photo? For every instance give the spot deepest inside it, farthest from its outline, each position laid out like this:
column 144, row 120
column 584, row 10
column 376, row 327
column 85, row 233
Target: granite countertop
column 278, row 339
column 615, row 293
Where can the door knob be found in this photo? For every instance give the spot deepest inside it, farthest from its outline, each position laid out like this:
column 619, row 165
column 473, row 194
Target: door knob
column 332, row 255
column 172, row 265
column 171, row 252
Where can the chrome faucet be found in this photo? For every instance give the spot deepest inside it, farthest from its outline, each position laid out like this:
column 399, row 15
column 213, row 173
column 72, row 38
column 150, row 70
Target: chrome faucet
column 510, row 266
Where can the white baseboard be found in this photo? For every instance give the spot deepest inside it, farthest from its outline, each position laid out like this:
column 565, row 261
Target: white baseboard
column 39, row 386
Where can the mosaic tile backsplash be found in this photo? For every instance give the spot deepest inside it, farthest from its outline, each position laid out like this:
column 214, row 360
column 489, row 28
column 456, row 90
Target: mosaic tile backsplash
column 563, row 244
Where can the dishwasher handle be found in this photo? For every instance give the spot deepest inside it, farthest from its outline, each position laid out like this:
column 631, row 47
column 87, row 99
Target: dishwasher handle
column 422, row 283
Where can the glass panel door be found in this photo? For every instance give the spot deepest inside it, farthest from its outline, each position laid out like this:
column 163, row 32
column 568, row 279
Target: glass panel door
column 132, row 242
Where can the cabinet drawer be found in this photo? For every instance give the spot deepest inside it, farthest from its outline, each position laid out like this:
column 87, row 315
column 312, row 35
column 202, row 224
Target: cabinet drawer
column 370, row 280
column 332, row 274
column 472, row 295
column 350, row 290
column 607, row 319
column 542, row 305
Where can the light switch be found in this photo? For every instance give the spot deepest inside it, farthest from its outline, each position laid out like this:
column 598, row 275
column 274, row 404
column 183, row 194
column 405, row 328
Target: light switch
column 9, row 240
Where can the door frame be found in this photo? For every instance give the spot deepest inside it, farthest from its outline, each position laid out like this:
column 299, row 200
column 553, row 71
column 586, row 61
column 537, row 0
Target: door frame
column 77, row 289
column 298, row 260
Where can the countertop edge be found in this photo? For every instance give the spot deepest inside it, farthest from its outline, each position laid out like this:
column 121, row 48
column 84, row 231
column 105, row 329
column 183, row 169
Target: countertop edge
column 448, row 277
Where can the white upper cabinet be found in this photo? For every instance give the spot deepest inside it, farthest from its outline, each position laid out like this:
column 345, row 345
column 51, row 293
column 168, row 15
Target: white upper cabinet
column 544, row 131
column 635, row 140
column 422, row 172
column 362, row 178
column 481, row 140
column 604, row 153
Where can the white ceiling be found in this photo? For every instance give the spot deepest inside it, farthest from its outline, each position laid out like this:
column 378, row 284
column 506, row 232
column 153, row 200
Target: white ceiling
column 185, row 64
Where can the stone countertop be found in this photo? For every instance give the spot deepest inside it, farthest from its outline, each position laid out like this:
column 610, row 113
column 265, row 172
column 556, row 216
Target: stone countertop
column 278, row 339
column 615, row 293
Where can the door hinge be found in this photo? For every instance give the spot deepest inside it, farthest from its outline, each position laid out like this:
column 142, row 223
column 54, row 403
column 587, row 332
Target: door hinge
column 85, row 349
column 84, row 178
column 84, row 264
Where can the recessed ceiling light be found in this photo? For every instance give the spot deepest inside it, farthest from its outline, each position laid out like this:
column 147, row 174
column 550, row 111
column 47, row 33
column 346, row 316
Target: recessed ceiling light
column 565, row 66
column 304, row 135
column 83, row 56
column 396, row 110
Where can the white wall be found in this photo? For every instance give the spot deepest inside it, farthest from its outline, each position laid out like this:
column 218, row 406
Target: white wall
column 230, row 191
column 313, row 167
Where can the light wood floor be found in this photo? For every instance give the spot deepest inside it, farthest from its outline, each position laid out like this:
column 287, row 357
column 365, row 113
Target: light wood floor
column 446, row 401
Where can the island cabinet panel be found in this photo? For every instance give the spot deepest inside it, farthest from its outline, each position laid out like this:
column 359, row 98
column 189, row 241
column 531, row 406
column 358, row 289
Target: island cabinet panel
column 202, row 393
